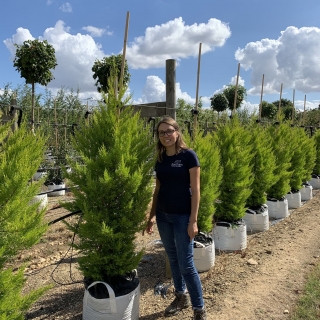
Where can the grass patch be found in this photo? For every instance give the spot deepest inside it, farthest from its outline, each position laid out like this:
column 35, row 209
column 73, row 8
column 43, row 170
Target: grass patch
column 308, row 306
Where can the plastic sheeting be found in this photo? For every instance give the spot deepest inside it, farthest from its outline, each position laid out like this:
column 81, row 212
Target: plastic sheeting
column 294, row 200
column 306, row 192
column 278, row 209
column 230, row 237
column 257, row 220
column 55, row 187
column 315, row 182
column 124, row 307
column 204, row 257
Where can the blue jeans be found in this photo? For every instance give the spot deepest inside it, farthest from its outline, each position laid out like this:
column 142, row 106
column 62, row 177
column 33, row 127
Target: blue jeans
column 173, row 230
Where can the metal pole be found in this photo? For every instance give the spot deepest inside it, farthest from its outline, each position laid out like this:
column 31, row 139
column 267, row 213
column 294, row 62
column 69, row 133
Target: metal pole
column 171, row 88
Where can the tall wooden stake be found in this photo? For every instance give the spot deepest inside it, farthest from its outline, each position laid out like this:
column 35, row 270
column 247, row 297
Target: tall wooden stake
column 197, row 92
column 55, row 123
column 293, row 108
column 280, row 102
column 260, row 106
column 236, row 91
column 124, row 51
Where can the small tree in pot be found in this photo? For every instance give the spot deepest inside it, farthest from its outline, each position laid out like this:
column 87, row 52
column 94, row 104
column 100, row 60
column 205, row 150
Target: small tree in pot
column 263, row 166
column 114, row 190
column 236, row 157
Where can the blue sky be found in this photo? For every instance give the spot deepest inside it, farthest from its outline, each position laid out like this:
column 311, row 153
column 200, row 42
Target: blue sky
column 277, row 38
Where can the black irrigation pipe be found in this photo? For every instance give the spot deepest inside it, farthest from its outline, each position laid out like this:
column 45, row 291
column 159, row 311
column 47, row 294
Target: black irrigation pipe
column 64, row 217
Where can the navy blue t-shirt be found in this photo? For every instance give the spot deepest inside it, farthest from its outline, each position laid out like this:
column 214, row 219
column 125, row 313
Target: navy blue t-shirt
column 173, row 173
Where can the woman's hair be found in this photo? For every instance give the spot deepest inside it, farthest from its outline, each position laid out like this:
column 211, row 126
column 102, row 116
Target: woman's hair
column 180, row 144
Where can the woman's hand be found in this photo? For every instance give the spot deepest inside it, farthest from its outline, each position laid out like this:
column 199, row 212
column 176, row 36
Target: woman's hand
column 192, row 229
column 149, row 227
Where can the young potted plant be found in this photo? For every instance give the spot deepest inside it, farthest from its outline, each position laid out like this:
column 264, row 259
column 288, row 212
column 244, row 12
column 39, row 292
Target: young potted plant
column 21, row 223
column 298, row 164
column 309, row 151
column 210, row 179
column 276, row 201
column 114, row 190
column 229, row 232
column 263, row 166
column 315, row 179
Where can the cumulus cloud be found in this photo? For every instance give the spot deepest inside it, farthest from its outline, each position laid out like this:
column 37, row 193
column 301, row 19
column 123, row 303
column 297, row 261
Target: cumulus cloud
column 292, row 59
column 75, row 56
column 155, row 91
column 233, row 81
column 66, row 7
column 175, row 40
column 49, row 2
column 97, row 32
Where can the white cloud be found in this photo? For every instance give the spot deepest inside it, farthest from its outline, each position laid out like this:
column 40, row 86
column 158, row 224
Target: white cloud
column 233, row 81
column 175, row 40
column 75, row 56
column 299, row 104
column 97, row 32
column 66, row 7
column 49, row 2
column 292, row 59
column 155, row 91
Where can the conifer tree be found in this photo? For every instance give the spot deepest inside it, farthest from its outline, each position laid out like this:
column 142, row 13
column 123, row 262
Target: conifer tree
column 210, row 178
column 309, row 152
column 21, row 224
column 263, row 166
column 280, row 135
column 114, row 188
column 298, row 160
column 236, row 156
column 316, row 169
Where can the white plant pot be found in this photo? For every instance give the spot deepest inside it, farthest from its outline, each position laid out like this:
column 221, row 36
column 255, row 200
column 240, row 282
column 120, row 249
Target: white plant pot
column 315, row 183
column 228, row 237
column 42, row 199
column 278, row 209
column 204, row 257
column 55, row 187
column 38, row 175
column 294, row 200
column 113, row 308
column 306, row 192
column 257, row 220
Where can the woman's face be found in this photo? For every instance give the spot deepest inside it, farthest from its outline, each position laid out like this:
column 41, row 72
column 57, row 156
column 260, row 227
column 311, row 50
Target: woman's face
column 167, row 135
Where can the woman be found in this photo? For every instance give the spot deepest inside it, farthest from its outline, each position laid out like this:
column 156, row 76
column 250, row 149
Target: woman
column 175, row 208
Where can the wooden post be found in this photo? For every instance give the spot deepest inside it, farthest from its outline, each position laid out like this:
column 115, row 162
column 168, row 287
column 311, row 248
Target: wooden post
column 236, row 91
column 293, row 109
column 260, row 106
column 32, row 106
column 304, row 110
column 197, row 93
column 65, row 128
column 280, row 102
column 171, row 88
column 55, row 123
column 124, row 51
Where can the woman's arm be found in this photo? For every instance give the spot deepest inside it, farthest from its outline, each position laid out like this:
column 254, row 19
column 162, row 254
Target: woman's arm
column 195, row 200
column 152, row 219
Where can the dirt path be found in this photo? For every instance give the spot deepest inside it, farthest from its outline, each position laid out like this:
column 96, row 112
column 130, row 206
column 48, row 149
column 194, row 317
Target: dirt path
column 233, row 289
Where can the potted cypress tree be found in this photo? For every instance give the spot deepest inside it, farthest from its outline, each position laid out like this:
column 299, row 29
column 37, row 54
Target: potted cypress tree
column 21, row 223
column 309, row 151
column 276, row 201
column 114, row 190
column 229, row 232
column 210, row 179
column 298, row 164
column 315, row 180
column 263, row 166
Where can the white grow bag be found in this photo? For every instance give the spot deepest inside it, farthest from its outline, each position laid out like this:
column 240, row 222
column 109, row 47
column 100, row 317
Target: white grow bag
column 42, row 199
column 294, row 200
column 113, row 308
column 278, row 209
column 55, row 187
column 306, row 192
column 228, row 237
column 204, row 257
column 257, row 220
column 315, row 182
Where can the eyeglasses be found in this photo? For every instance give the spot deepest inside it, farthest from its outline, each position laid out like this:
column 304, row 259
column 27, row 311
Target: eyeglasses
column 167, row 133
